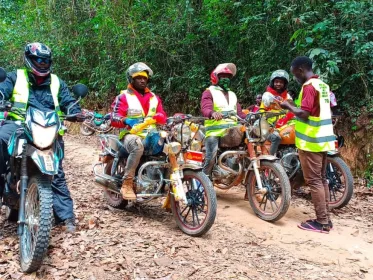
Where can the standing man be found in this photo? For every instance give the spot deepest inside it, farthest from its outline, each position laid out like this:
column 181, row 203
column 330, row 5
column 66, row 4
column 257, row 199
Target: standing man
column 217, row 100
column 36, row 87
column 314, row 137
column 130, row 108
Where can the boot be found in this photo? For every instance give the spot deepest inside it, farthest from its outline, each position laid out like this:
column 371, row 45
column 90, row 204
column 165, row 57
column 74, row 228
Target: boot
column 127, row 190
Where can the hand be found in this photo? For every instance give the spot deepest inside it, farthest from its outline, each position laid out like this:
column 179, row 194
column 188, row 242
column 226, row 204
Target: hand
column 285, row 105
column 217, row 116
column 80, row 117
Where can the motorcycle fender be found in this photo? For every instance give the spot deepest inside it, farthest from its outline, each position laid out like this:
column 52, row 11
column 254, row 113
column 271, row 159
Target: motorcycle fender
column 267, row 157
column 47, row 161
column 332, row 153
column 191, row 166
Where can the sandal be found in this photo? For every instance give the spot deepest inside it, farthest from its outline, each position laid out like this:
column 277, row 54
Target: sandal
column 314, row 226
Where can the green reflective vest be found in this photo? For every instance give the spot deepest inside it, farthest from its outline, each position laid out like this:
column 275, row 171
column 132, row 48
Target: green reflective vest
column 316, row 133
column 219, row 128
column 21, row 92
column 135, row 106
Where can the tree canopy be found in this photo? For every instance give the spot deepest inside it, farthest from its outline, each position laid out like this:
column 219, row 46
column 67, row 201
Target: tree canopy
column 95, row 41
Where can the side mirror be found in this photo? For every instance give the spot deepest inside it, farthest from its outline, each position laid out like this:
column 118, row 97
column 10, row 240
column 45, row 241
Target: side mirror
column 80, row 90
column 2, row 75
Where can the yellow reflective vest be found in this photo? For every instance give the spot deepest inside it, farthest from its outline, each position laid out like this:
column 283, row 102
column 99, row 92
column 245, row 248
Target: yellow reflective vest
column 21, row 92
column 221, row 105
column 316, row 134
column 135, row 106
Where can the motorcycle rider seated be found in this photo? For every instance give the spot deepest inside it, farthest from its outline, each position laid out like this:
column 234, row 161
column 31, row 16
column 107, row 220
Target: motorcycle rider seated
column 255, row 107
column 130, row 108
column 277, row 89
column 36, row 87
column 216, row 100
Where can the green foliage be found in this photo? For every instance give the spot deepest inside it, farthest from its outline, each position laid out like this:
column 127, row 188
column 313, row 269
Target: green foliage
column 95, row 41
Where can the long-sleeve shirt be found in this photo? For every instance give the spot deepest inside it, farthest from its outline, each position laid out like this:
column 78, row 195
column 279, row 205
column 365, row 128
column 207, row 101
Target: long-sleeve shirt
column 120, row 107
column 207, row 105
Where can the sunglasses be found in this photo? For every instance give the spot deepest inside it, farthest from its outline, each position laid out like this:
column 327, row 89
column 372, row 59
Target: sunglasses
column 40, row 60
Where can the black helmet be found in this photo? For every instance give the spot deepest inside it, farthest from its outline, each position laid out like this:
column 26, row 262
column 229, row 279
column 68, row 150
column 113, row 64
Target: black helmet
column 37, row 53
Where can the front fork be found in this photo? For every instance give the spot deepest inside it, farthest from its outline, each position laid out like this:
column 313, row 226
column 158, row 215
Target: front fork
column 176, row 182
column 256, row 165
column 23, row 190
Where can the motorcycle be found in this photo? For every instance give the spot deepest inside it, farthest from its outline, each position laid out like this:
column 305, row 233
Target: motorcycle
column 163, row 173
column 338, row 174
column 239, row 161
column 26, row 187
column 95, row 122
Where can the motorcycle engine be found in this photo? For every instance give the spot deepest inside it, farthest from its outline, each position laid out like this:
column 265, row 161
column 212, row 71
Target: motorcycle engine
column 153, row 177
column 289, row 159
column 221, row 176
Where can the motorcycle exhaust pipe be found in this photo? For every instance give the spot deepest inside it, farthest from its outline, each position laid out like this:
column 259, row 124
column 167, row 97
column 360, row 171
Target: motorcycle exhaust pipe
column 230, row 170
column 108, row 182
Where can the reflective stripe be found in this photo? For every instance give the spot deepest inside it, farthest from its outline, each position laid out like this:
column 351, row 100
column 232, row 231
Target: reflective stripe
column 315, row 140
column 215, row 127
column 315, row 123
column 221, row 104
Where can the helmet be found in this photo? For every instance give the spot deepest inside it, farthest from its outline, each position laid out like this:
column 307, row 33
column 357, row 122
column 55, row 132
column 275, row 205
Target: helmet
column 279, row 74
column 34, row 51
column 225, row 68
column 136, row 69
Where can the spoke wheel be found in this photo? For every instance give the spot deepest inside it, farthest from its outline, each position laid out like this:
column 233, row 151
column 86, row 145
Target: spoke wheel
column 274, row 204
column 197, row 216
column 341, row 182
column 112, row 198
column 34, row 240
column 85, row 130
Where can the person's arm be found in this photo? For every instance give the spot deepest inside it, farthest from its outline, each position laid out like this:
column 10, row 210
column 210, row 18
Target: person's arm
column 307, row 103
column 66, row 100
column 119, row 107
column 7, row 86
column 160, row 116
column 207, row 104
column 241, row 114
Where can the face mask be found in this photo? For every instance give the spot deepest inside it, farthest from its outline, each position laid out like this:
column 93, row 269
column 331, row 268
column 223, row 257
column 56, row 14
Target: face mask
column 224, row 83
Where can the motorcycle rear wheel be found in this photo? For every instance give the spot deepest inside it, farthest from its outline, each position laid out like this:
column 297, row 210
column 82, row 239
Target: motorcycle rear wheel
column 198, row 216
column 85, row 130
column 112, row 198
column 341, row 182
column 34, row 240
column 275, row 180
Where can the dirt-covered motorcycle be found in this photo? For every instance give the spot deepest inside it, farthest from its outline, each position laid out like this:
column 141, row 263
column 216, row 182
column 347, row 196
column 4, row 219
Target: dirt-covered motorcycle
column 26, row 187
column 95, row 122
column 240, row 161
column 188, row 191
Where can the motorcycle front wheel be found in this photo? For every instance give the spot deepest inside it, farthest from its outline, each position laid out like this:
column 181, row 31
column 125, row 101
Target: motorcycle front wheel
column 35, row 237
column 85, row 130
column 341, row 182
column 196, row 217
column 274, row 203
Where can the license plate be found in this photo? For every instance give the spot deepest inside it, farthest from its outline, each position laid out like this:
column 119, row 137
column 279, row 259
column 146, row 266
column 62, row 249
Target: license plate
column 193, row 157
column 48, row 162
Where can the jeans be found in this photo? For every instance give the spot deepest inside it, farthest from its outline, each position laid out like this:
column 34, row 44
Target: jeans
column 211, row 145
column 275, row 140
column 134, row 147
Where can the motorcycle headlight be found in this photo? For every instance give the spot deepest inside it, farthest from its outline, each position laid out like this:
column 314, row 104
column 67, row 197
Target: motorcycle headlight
column 173, row 147
column 43, row 137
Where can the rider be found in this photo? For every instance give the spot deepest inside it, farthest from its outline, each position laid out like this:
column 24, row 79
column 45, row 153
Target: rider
column 277, row 89
column 216, row 100
column 130, row 108
column 36, row 87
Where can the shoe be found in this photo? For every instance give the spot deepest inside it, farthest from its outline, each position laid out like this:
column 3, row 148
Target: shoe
column 315, row 226
column 127, row 190
column 70, row 225
column 313, row 220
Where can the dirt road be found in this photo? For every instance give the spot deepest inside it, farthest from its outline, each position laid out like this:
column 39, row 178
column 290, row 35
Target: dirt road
column 144, row 242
